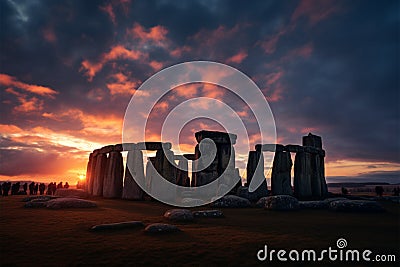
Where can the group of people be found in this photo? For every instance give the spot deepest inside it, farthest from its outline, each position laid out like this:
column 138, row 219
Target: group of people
column 34, row 188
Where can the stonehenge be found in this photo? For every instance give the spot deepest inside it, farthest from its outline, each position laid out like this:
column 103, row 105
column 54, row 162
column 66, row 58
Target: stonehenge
column 309, row 171
column 213, row 158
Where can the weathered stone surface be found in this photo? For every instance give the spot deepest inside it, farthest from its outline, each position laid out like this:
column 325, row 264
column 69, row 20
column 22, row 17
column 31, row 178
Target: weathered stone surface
column 280, row 178
column 131, row 189
column 38, row 198
column 113, row 178
column 90, row 182
column 153, row 146
column 208, row 214
column 281, row 202
column 179, row 215
column 182, row 174
column 231, row 201
column 89, row 172
column 61, row 203
column 312, row 141
column 190, row 156
column 100, row 168
column 294, row 148
column 159, row 228
column 107, row 149
column 117, row 226
column 203, row 178
column 118, row 148
column 302, row 175
column 261, row 191
column 255, row 166
column 77, row 193
column 165, row 167
column 217, row 137
column 355, row 206
column 317, row 204
column 128, row 146
column 270, row 147
column 261, row 202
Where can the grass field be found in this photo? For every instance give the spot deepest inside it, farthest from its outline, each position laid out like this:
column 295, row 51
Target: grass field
column 43, row 237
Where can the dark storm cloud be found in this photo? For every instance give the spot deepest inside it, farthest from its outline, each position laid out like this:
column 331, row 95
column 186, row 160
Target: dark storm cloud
column 330, row 67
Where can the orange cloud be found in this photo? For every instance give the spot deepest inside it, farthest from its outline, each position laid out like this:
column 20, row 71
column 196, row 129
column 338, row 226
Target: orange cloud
column 212, row 91
column 238, row 58
column 108, row 9
column 156, row 65
column 122, row 85
column 156, row 34
column 10, row 81
column 315, row 11
column 9, row 129
column 273, row 77
column 117, row 52
column 187, row 90
column 27, row 104
column 177, row 52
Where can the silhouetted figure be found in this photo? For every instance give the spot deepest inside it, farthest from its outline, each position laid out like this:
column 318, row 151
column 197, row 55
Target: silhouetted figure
column 15, row 188
column 54, row 188
column 396, row 191
column 42, row 188
column 66, row 186
column 6, row 188
column 344, row 191
column 25, row 187
column 379, row 191
column 36, row 189
column 32, row 188
column 60, row 185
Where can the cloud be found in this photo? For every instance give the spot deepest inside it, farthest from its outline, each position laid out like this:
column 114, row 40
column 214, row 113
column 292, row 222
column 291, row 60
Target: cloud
column 10, row 81
column 108, row 9
column 122, row 85
column 237, row 58
column 155, row 35
column 117, row 52
column 315, row 11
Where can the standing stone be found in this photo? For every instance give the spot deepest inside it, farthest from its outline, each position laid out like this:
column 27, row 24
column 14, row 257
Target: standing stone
column 88, row 172
column 132, row 190
column 251, row 169
column 90, row 182
column 224, row 159
column 182, row 175
column 164, row 165
column 112, row 184
column 256, row 171
column 101, row 164
column 302, row 175
column 280, row 178
column 318, row 183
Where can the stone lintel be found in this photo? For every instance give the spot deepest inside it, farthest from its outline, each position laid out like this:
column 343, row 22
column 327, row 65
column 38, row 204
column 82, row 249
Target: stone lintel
column 217, row 137
column 190, row 156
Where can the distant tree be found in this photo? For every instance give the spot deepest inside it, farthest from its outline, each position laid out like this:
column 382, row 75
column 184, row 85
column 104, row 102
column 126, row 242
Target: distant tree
column 379, row 190
column 344, row 191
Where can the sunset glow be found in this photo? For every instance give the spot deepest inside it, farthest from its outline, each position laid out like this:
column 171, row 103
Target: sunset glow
column 67, row 76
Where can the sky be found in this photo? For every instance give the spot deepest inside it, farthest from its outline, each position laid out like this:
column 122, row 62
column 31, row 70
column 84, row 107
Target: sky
column 68, row 70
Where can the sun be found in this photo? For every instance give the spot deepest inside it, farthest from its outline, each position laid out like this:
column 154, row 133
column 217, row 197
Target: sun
column 81, row 177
